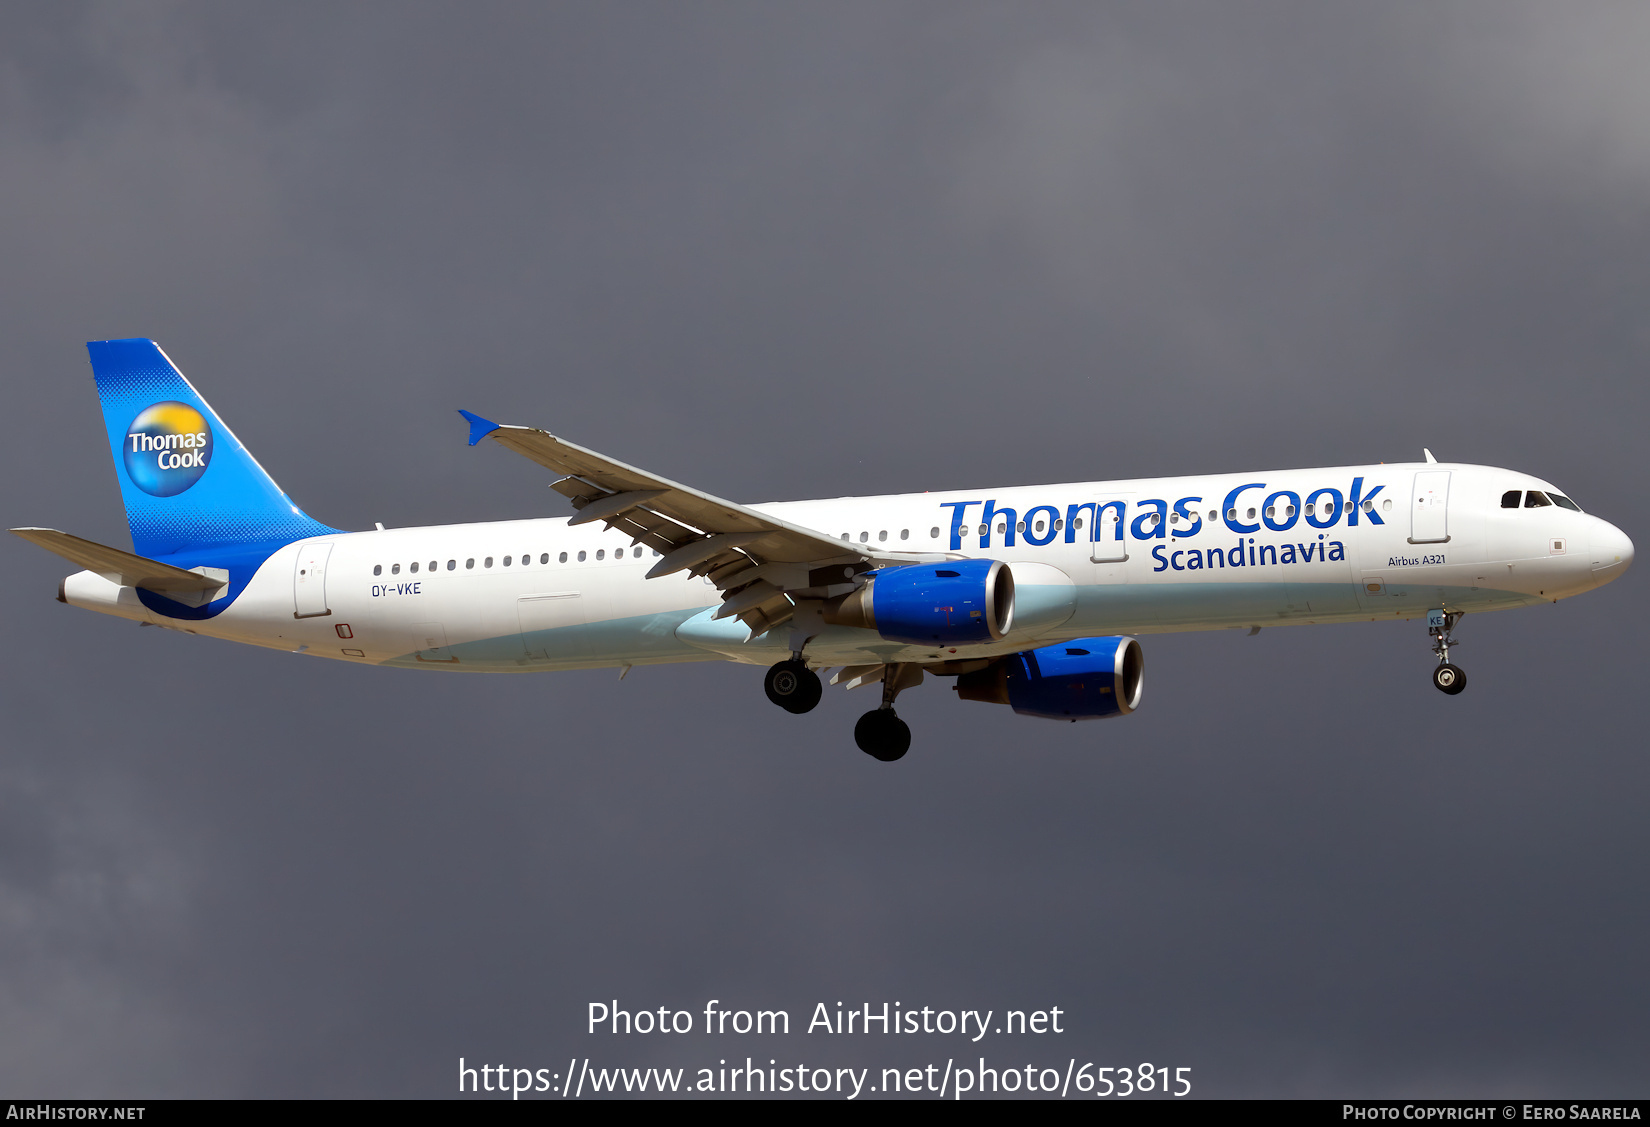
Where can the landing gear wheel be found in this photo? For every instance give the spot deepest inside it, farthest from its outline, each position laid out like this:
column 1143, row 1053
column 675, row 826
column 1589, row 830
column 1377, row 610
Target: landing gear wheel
column 1449, row 678
column 792, row 686
column 882, row 735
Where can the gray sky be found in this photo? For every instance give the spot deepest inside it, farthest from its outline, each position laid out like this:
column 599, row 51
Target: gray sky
column 784, row 251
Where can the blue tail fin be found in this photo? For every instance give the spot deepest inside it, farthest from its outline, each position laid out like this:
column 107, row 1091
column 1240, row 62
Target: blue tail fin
column 192, row 491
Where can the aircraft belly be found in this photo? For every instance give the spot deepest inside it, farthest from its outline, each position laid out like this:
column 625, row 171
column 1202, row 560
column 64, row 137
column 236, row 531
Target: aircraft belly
column 641, row 640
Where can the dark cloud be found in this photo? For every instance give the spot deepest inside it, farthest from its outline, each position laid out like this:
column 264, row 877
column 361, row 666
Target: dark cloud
column 786, row 252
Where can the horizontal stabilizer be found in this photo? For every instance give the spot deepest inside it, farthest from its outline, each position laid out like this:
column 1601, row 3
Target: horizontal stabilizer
column 121, row 567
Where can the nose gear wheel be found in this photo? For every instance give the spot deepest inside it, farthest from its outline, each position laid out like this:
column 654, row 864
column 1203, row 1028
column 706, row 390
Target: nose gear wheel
column 1447, row 678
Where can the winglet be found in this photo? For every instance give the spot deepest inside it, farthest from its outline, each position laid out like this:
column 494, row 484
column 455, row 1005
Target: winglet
column 480, row 428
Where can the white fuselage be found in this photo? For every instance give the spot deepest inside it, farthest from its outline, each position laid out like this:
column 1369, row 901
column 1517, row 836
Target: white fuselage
column 537, row 594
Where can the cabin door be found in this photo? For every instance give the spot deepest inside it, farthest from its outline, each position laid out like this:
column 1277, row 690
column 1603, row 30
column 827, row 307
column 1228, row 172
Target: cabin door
column 1429, row 508
column 309, row 581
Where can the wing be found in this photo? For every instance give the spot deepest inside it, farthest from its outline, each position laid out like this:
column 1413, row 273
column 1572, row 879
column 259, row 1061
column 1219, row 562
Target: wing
column 121, row 567
column 762, row 565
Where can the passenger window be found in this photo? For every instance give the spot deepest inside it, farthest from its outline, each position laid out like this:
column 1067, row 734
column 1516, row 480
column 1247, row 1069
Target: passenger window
column 1002, row 528
column 882, row 536
column 637, row 554
column 601, row 553
column 1231, row 514
column 1509, row 499
column 451, row 564
column 1078, row 523
column 1020, row 527
column 1386, row 505
column 378, row 569
column 1059, row 524
column 544, row 558
column 395, row 569
column 1535, row 499
column 413, row 567
column 562, row 558
column 934, row 533
column 1039, row 529
column 470, row 563
column 1215, row 515
column 905, row 534
column 1349, row 506
column 488, row 562
column 1251, row 515
column 506, row 561
column 432, row 565
column 581, row 557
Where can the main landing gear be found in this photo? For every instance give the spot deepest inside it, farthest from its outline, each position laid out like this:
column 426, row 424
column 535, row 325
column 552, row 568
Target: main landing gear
column 1446, row 678
column 880, row 733
column 793, row 686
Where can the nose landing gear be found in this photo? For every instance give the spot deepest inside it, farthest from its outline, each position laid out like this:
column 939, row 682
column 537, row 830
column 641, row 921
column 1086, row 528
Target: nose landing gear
column 1446, row 678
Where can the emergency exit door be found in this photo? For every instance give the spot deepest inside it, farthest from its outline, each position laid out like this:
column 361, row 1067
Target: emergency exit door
column 1109, row 533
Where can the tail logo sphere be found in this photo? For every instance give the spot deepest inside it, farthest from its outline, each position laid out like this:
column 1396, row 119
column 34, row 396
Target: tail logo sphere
column 168, row 447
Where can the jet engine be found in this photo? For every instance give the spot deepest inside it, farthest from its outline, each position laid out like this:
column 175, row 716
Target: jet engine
column 1088, row 679
column 965, row 602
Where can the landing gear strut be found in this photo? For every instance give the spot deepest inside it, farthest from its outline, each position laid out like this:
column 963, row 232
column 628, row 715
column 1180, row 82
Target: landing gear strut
column 880, row 733
column 793, row 686
column 1446, row 678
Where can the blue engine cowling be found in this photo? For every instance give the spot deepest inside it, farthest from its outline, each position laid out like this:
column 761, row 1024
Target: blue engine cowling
column 1088, row 679
column 966, row 602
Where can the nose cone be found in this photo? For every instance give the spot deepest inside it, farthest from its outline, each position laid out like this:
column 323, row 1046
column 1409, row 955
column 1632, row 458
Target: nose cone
column 1610, row 551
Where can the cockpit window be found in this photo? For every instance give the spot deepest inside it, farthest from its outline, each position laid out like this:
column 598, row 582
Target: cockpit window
column 1535, row 499
column 1564, row 502
column 1510, row 499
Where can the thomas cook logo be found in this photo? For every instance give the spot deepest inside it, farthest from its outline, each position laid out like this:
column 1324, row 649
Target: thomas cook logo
column 168, row 447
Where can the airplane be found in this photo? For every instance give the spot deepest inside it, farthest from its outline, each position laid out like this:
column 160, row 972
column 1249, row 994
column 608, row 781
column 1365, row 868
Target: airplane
column 1032, row 597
